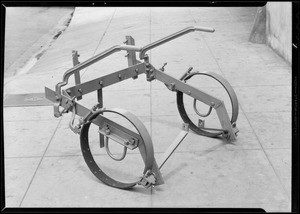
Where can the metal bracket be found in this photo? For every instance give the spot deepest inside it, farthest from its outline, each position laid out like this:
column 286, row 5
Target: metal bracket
column 131, row 56
column 148, row 179
column 75, row 56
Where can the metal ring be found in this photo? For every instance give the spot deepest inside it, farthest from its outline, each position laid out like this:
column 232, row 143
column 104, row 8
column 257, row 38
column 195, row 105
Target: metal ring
column 110, row 154
column 232, row 96
column 144, row 146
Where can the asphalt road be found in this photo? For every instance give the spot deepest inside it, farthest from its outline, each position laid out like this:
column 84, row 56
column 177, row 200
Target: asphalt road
column 27, row 30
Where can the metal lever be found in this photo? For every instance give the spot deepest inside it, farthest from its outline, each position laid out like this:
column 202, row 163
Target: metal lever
column 163, row 67
column 171, row 37
column 186, row 73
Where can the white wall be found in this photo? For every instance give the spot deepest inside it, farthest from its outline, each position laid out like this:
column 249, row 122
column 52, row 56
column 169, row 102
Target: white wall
column 279, row 28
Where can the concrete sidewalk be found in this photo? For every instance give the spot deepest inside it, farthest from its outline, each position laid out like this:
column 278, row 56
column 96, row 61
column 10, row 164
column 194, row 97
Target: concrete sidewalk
column 43, row 162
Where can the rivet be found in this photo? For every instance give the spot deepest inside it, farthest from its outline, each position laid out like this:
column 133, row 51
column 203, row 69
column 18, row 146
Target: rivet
column 80, row 90
column 101, row 83
column 120, row 76
column 212, row 104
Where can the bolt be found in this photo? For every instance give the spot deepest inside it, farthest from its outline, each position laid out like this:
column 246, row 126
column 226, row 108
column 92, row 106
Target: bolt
column 126, row 142
column 107, row 130
column 69, row 91
column 80, row 90
column 136, row 70
column 172, row 86
column 147, row 64
column 120, row 76
column 132, row 141
column 151, row 70
column 212, row 104
column 57, row 98
column 189, row 92
column 101, row 83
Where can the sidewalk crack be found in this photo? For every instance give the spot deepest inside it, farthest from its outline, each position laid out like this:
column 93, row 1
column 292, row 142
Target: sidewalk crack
column 39, row 163
column 104, row 33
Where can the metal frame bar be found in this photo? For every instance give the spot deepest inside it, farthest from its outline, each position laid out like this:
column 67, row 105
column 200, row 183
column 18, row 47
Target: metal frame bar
column 75, row 60
column 187, row 89
column 101, row 82
column 131, row 56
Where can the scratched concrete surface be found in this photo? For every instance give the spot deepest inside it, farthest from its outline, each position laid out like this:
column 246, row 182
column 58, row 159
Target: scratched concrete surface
column 43, row 162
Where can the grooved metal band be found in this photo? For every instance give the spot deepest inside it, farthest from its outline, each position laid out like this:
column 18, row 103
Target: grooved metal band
column 231, row 93
column 145, row 146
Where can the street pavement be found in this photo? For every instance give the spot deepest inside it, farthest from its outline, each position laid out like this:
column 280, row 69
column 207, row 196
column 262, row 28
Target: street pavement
column 29, row 31
column 43, row 162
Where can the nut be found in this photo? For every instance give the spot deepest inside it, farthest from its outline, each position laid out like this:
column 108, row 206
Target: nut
column 132, row 141
column 107, row 130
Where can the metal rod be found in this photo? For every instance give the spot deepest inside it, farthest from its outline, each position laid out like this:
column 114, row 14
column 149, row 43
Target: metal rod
column 91, row 61
column 100, row 103
column 172, row 147
column 173, row 36
column 186, row 73
column 75, row 56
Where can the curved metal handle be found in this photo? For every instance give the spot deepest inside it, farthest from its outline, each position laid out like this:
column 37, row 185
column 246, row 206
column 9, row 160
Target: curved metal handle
column 117, row 48
column 173, row 36
column 91, row 61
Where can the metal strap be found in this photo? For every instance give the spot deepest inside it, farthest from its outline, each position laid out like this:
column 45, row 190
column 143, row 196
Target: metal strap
column 145, row 147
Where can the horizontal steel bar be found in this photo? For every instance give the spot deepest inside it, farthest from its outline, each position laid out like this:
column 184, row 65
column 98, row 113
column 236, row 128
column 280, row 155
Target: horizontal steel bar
column 187, row 89
column 87, row 87
column 82, row 111
column 118, row 133
column 171, row 37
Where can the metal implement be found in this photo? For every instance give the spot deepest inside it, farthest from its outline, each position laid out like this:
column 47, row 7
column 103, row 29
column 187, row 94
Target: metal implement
column 65, row 100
